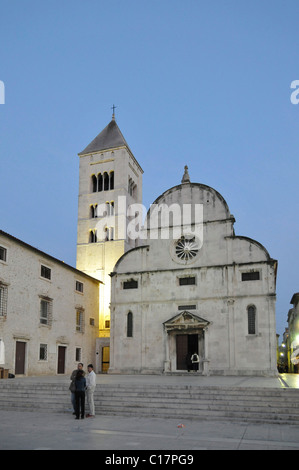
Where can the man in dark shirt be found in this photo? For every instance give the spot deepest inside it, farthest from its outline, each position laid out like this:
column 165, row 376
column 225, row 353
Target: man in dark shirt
column 72, row 386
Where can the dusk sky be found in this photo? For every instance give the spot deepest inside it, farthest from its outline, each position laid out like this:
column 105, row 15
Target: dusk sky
column 200, row 83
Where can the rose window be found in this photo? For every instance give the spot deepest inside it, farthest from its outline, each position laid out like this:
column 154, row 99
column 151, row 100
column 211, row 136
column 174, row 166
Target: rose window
column 186, row 248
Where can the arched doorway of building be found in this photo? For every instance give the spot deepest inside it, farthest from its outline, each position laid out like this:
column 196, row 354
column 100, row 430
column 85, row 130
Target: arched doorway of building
column 185, row 335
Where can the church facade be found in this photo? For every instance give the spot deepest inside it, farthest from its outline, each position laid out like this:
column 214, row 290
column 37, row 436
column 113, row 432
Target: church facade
column 185, row 284
column 144, row 296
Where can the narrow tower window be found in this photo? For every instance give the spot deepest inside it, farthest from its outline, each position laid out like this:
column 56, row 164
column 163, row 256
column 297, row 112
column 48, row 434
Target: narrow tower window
column 100, row 182
column 251, row 313
column 92, row 212
column 94, row 183
column 92, row 236
column 112, row 180
column 130, row 325
column 106, row 181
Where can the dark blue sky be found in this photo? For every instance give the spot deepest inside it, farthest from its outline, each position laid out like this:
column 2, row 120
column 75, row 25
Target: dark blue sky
column 202, row 83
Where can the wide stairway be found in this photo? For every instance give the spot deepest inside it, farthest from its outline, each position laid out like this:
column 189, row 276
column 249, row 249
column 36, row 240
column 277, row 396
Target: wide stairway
column 160, row 400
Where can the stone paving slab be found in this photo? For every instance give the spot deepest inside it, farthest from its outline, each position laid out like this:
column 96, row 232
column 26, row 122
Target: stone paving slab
column 60, row 431
column 38, row 431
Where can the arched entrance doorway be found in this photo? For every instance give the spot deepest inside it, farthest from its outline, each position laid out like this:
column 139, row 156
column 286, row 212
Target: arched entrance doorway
column 186, row 334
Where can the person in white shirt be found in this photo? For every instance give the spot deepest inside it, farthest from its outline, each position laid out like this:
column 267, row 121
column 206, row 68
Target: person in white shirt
column 90, row 388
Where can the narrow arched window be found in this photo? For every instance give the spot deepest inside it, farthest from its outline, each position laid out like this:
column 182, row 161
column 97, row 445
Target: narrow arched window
column 251, row 313
column 130, row 325
column 93, row 236
column 106, row 181
column 92, row 212
column 100, row 182
column 112, row 208
column 94, row 183
column 112, row 180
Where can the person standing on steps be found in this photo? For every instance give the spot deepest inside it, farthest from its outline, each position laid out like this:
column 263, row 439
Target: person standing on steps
column 195, row 361
column 72, row 385
column 90, row 388
column 80, row 386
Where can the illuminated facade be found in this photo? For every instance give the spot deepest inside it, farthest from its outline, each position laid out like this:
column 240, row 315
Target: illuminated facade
column 201, row 290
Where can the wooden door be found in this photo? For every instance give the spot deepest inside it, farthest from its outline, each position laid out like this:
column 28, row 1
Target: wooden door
column 181, row 351
column 61, row 360
column 186, row 345
column 20, row 358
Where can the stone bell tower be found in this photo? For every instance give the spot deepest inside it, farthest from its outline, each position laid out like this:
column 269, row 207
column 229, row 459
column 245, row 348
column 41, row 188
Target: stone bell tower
column 110, row 180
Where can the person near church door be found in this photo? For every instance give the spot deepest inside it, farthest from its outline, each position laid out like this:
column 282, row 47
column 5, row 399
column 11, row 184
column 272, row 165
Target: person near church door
column 72, row 387
column 90, row 388
column 80, row 386
column 195, row 361
column 189, row 364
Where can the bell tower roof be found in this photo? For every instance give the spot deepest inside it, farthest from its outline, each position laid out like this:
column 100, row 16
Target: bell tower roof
column 110, row 137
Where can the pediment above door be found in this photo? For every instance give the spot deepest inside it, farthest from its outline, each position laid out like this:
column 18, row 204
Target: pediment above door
column 186, row 321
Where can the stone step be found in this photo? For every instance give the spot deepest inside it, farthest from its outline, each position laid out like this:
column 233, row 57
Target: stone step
column 103, row 400
column 182, row 402
column 152, row 395
column 165, row 410
column 10, row 385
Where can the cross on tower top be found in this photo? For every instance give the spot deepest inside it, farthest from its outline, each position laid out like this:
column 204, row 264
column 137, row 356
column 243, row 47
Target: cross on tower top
column 113, row 113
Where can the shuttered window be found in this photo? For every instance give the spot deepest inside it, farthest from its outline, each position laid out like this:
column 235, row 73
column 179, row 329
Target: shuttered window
column 46, row 311
column 251, row 276
column 132, row 284
column 80, row 321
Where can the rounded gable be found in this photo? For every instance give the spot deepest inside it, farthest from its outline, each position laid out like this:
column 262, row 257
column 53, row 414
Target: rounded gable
column 214, row 205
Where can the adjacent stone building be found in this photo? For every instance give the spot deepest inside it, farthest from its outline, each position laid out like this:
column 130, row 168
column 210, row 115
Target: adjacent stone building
column 48, row 311
column 293, row 336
